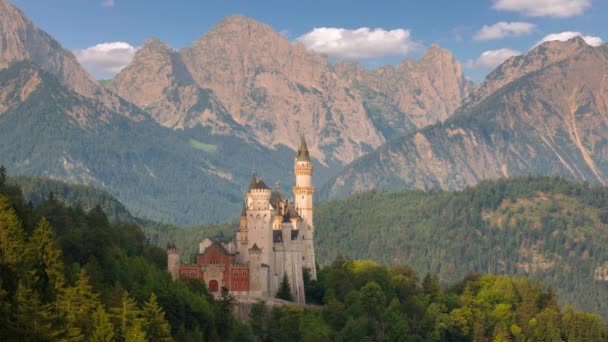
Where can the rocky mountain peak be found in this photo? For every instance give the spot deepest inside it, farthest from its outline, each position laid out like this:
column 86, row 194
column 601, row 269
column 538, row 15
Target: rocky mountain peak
column 515, row 67
column 155, row 43
column 20, row 39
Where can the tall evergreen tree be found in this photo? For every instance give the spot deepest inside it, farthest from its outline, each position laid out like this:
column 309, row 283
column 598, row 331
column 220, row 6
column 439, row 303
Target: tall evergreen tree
column 127, row 319
column 33, row 319
column 47, row 266
column 12, row 246
column 284, row 291
column 155, row 324
column 78, row 303
column 103, row 330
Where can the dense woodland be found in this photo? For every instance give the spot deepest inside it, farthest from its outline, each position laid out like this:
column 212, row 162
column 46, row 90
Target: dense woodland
column 70, row 274
column 546, row 228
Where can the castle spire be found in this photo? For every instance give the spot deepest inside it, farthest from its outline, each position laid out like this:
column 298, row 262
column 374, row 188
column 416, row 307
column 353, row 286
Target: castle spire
column 244, row 210
column 303, row 154
column 253, row 180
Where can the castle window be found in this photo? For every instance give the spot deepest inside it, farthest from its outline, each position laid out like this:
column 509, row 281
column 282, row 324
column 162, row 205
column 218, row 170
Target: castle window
column 192, row 273
column 244, row 273
column 235, row 273
column 236, row 284
column 244, row 284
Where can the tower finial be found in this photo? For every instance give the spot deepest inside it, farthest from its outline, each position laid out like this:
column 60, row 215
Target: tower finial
column 303, row 154
column 276, row 186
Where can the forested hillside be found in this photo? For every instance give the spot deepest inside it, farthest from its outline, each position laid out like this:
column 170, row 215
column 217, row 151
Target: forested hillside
column 545, row 228
column 68, row 274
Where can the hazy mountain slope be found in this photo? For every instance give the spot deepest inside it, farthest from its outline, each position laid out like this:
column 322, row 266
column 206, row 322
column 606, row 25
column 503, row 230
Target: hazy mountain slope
column 47, row 130
column 275, row 90
column 546, row 122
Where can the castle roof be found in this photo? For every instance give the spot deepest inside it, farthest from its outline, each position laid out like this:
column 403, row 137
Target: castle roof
column 244, row 210
column 292, row 213
column 275, row 199
column 303, row 154
column 218, row 243
column 260, row 185
column 253, row 181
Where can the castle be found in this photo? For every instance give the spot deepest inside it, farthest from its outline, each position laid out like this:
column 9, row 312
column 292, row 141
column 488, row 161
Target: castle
column 275, row 238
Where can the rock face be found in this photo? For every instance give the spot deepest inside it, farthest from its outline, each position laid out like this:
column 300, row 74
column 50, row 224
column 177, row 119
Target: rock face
column 20, row 39
column 274, row 90
column 540, row 117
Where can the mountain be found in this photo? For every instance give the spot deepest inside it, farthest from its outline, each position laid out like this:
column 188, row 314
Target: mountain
column 21, row 39
column 546, row 114
column 243, row 78
column 57, row 122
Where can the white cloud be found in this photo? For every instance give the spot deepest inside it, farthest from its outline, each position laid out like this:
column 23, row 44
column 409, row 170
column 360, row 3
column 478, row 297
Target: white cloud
column 107, row 3
column 504, row 29
column 491, row 59
column 564, row 36
column 106, row 59
column 544, row 8
column 360, row 43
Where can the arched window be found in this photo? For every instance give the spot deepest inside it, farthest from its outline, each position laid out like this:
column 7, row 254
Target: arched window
column 235, row 273
column 236, row 284
column 192, row 273
column 244, row 273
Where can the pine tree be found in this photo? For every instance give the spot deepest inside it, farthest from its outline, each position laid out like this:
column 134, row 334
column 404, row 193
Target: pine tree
column 103, row 330
column 127, row 319
column 12, row 241
column 284, row 291
column 78, row 304
column 47, row 266
column 33, row 319
column 155, row 324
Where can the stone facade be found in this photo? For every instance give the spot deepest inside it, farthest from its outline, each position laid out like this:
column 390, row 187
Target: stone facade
column 275, row 237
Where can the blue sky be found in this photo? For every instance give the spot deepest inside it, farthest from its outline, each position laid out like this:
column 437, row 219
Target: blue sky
column 405, row 28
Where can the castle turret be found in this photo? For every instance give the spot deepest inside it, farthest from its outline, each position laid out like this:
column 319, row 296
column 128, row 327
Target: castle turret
column 260, row 218
column 303, row 192
column 173, row 261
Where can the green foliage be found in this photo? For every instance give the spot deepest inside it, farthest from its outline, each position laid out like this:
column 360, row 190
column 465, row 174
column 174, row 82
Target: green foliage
column 284, row 291
column 155, row 326
column 546, row 228
column 478, row 308
column 73, row 275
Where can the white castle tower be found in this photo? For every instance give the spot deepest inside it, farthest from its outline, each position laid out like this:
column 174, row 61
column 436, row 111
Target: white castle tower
column 303, row 192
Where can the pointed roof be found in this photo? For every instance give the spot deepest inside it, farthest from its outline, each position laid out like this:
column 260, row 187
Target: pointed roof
column 260, row 185
column 244, row 210
column 253, row 181
column 303, row 154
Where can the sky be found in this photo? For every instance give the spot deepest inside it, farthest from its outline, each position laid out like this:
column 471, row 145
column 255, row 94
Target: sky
column 104, row 34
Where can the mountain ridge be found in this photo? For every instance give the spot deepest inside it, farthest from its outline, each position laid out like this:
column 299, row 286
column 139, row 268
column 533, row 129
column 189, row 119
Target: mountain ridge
column 551, row 121
column 276, row 89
